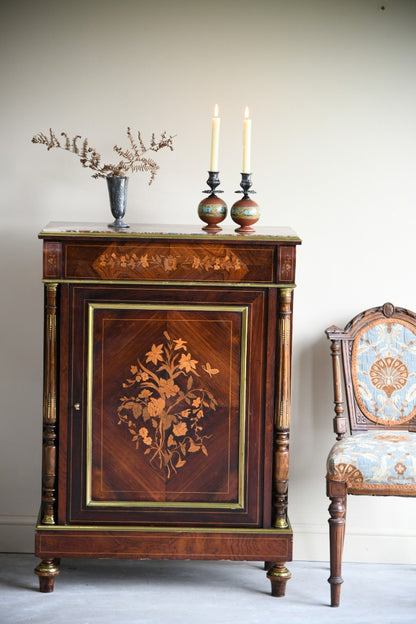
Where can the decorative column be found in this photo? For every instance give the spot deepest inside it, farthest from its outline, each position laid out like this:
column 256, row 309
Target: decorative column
column 278, row 574
column 282, row 411
column 49, row 406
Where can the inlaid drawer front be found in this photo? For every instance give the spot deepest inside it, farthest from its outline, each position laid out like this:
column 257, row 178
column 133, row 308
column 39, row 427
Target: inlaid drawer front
column 170, row 261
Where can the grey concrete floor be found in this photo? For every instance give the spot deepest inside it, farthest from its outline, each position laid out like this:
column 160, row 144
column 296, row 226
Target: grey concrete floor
column 182, row 592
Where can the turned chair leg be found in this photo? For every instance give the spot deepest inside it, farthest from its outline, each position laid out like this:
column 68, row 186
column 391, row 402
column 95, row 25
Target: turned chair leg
column 46, row 571
column 278, row 575
column 337, row 510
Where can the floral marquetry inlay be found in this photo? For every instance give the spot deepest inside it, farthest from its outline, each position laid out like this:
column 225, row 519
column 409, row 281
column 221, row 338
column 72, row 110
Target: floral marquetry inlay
column 167, row 404
column 131, row 262
column 286, row 264
column 52, row 260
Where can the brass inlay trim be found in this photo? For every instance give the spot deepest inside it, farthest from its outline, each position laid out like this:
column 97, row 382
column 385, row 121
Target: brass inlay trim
column 243, row 310
column 165, row 282
column 163, row 529
column 163, row 505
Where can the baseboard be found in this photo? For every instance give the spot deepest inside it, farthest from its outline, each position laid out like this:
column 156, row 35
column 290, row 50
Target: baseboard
column 310, row 543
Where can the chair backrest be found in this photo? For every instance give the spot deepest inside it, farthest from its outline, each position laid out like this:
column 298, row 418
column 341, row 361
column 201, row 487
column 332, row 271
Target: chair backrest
column 378, row 351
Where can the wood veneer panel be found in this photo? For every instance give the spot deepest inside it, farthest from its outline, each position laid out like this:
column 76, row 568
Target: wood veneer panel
column 158, row 545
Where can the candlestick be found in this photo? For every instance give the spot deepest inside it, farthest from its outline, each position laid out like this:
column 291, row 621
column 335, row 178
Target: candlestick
column 215, row 139
column 246, row 142
column 245, row 212
column 212, row 210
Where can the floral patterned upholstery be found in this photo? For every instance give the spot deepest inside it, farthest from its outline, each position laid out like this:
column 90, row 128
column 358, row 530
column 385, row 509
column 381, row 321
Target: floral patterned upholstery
column 376, row 462
column 384, row 372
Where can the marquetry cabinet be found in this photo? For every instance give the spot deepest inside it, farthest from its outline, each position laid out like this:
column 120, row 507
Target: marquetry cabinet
column 166, row 395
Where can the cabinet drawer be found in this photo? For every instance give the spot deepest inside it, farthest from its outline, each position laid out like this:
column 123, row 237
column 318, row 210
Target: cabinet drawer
column 161, row 261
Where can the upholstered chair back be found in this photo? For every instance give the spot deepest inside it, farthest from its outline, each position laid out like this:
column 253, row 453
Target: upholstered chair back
column 379, row 362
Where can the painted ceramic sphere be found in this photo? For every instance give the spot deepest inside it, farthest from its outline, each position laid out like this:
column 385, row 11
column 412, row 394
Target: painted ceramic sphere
column 245, row 213
column 212, row 210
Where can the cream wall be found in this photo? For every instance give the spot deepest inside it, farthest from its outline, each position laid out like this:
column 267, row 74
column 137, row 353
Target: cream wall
column 331, row 86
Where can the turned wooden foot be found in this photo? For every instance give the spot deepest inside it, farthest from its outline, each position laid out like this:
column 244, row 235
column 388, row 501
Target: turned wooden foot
column 278, row 575
column 46, row 571
column 337, row 510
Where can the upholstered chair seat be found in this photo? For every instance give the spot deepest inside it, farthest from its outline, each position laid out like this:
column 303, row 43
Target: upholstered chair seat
column 374, row 363
column 375, row 462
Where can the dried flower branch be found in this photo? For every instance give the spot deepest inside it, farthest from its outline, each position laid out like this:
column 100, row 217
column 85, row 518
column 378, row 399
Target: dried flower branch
column 133, row 158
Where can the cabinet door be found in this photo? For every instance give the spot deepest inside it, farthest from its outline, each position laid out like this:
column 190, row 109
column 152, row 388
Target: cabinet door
column 170, row 383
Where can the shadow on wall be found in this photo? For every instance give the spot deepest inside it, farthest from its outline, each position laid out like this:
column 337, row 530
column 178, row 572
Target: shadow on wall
column 312, row 408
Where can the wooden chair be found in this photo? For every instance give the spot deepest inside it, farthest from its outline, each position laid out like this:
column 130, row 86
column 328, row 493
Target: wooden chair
column 374, row 359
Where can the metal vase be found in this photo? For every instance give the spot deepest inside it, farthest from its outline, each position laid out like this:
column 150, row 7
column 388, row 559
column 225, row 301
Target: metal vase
column 117, row 190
